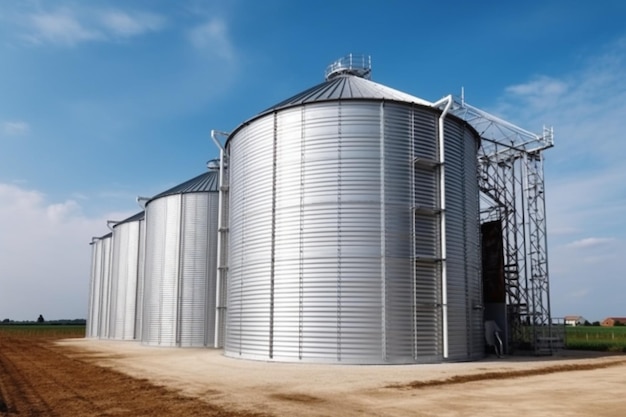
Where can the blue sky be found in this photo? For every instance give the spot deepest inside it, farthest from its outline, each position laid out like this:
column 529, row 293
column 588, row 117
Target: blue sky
column 103, row 101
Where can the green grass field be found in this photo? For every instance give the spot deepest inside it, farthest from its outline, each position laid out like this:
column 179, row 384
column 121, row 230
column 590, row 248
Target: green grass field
column 607, row 339
column 52, row 331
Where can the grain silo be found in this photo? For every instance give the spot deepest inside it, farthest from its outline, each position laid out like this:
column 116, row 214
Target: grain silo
column 126, row 276
column 99, row 287
column 348, row 242
column 179, row 279
column 95, row 287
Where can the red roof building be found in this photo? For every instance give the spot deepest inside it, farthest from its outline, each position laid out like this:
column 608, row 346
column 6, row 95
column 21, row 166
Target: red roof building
column 610, row 321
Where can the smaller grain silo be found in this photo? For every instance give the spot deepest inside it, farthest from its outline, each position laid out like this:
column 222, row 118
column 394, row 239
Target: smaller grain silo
column 179, row 280
column 99, row 288
column 95, row 297
column 126, row 276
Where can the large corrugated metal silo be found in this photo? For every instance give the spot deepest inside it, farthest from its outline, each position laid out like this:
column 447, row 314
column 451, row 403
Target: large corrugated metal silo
column 179, row 280
column 126, row 276
column 336, row 251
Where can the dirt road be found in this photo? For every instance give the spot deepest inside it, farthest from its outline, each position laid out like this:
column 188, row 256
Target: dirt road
column 571, row 384
column 38, row 378
column 79, row 377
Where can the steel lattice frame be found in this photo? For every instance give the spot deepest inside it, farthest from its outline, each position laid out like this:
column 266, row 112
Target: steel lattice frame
column 511, row 181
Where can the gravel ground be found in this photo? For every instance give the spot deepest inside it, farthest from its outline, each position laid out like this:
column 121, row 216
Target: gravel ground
column 567, row 384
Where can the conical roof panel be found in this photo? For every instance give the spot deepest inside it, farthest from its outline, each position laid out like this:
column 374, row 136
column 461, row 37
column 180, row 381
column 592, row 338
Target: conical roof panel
column 206, row 182
column 96, row 238
column 135, row 217
column 347, row 87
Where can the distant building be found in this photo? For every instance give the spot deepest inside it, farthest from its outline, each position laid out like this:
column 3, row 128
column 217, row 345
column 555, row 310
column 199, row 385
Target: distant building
column 574, row 320
column 610, row 321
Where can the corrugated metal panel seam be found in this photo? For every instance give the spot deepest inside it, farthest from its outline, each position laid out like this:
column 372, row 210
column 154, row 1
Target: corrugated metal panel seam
column 273, row 241
column 383, row 237
column 179, row 270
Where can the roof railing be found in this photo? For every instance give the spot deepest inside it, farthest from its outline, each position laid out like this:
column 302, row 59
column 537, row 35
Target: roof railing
column 351, row 64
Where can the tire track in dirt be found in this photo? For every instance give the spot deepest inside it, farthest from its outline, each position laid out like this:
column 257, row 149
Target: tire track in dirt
column 486, row 376
column 20, row 397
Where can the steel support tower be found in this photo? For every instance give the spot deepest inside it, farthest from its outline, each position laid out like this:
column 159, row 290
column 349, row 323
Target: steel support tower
column 511, row 181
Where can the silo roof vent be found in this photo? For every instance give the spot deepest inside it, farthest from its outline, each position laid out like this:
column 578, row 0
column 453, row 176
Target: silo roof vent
column 351, row 64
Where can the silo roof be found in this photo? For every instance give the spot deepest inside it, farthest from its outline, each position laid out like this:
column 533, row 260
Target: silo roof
column 347, row 87
column 206, row 182
column 341, row 87
column 96, row 238
column 135, row 217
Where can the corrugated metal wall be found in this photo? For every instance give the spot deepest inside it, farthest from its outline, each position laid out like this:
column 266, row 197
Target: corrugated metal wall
column 95, row 300
column 125, row 267
column 105, row 287
column 321, row 234
column 179, row 280
column 140, row 280
column 463, row 258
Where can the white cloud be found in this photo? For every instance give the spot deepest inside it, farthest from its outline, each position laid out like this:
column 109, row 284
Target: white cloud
column 60, row 27
column 125, row 24
column 540, row 92
column 45, row 255
column 57, row 213
column 213, row 36
column 70, row 27
column 590, row 242
column 15, row 128
column 586, row 107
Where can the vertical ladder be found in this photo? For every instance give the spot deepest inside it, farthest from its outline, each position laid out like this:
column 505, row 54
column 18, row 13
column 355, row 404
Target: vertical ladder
column 222, row 245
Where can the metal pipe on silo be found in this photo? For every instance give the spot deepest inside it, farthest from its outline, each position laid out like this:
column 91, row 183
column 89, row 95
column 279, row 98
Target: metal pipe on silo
column 142, row 201
column 447, row 103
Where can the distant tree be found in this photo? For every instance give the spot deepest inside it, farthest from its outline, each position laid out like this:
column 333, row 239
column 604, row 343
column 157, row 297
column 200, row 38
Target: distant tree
column 6, row 321
column 40, row 319
column 587, row 323
column 595, row 323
